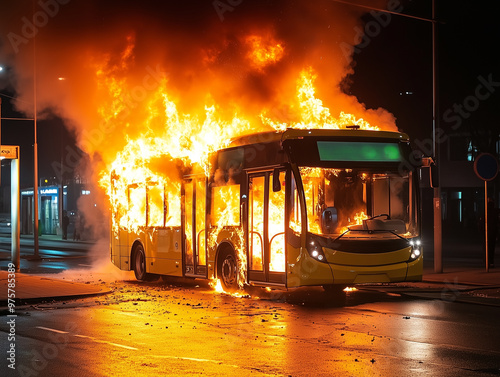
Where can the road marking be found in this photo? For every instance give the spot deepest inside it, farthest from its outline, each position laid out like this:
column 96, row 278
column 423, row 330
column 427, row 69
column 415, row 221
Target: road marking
column 106, row 342
column 131, row 314
column 194, row 359
column 88, row 337
column 53, row 330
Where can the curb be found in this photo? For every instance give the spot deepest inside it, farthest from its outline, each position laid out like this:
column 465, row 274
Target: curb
column 486, row 301
column 37, row 300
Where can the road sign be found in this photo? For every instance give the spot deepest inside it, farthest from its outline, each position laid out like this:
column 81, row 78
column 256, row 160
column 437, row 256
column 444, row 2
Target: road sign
column 9, row 151
column 486, row 166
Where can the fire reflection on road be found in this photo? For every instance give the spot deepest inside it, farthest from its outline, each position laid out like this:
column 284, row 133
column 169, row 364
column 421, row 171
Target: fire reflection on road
column 186, row 327
column 188, row 324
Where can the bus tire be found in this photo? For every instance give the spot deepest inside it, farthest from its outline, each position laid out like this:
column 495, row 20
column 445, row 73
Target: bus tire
column 227, row 270
column 139, row 264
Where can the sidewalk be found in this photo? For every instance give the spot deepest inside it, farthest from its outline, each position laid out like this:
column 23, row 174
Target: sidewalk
column 30, row 288
column 471, row 285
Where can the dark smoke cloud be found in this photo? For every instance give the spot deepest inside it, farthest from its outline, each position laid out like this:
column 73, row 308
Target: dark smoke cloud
column 201, row 50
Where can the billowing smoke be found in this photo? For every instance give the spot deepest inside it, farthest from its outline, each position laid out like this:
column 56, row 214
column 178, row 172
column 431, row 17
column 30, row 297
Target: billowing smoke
column 99, row 63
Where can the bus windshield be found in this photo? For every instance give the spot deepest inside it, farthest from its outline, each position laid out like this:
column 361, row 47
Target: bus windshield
column 360, row 203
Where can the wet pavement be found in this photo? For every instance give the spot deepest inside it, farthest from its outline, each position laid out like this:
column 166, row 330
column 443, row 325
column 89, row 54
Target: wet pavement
column 96, row 320
column 462, row 285
column 183, row 327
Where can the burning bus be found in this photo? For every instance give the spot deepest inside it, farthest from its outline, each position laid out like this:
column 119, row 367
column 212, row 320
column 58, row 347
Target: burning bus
column 298, row 207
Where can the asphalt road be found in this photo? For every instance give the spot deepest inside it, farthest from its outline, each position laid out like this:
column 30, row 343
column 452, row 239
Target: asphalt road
column 55, row 255
column 185, row 328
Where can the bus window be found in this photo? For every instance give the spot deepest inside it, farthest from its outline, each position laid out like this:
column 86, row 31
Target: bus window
column 381, row 193
column 277, row 226
column 337, row 199
column 390, row 195
column 188, row 222
column 295, row 219
column 226, row 205
column 137, row 206
column 313, row 189
column 173, row 204
column 200, row 222
column 256, row 222
column 155, row 206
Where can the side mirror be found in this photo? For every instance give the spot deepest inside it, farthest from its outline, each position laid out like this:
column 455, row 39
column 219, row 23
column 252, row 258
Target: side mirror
column 428, row 162
column 434, row 173
column 329, row 220
column 276, row 180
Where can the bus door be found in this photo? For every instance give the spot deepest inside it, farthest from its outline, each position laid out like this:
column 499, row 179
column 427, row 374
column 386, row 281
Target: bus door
column 194, row 248
column 266, row 229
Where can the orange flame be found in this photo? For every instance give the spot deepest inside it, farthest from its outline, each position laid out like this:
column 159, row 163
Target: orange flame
column 171, row 142
column 264, row 51
column 356, row 220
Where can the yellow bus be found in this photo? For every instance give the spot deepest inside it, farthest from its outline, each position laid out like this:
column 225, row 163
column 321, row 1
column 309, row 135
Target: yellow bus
column 282, row 209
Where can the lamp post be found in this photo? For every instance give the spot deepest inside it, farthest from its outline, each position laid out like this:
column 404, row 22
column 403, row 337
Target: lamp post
column 438, row 239
column 35, row 155
column 35, row 179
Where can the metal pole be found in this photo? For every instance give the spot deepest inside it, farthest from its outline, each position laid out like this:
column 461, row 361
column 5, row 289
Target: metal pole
column 15, row 220
column 61, row 190
column 35, row 152
column 0, row 128
column 438, row 242
column 486, row 223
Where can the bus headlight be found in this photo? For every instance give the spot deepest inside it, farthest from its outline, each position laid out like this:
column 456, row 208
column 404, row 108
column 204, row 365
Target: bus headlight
column 416, row 249
column 315, row 250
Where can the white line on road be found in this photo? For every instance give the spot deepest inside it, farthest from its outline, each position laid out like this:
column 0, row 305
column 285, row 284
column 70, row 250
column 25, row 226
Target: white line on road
column 106, row 342
column 53, row 330
column 194, row 359
column 88, row 337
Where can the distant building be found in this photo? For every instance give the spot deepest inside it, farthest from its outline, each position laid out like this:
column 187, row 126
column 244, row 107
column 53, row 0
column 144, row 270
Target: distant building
column 462, row 192
column 49, row 209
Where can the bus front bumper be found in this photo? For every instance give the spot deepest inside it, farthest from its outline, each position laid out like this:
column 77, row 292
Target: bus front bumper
column 307, row 271
column 399, row 272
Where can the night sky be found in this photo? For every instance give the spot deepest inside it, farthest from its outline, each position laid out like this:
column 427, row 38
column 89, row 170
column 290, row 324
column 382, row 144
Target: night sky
column 400, row 60
column 393, row 59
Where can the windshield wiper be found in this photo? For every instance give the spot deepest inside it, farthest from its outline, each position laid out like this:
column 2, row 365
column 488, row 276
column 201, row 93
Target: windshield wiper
column 370, row 231
column 348, row 230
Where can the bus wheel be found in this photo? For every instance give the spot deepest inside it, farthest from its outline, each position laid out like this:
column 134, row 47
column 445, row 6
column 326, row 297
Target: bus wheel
column 227, row 271
column 139, row 264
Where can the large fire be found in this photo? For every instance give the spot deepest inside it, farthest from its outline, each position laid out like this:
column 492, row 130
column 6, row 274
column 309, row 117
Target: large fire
column 154, row 90
column 151, row 163
column 186, row 140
